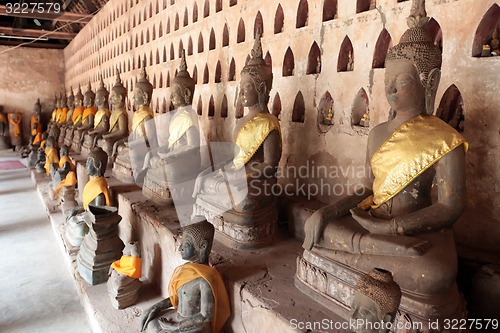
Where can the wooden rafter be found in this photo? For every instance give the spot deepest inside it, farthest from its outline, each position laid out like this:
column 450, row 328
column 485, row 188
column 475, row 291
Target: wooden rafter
column 62, row 16
column 34, row 33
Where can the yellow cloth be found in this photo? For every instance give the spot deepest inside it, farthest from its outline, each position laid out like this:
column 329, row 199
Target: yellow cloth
column 87, row 112
column 69, row 180
column 115, row 116
column 3, row 119
column 66, row 159
column 140, row 115
column 99, row 115
column 51, row 156
column 77, row 115
column 16, row 124
column 37, row 138
column 53, row 116
column 63, row 115
column 128, row 265
column 182, row 121
column 252, row 135
column 38, row 129
column 42, row 145
column 93, row 188
column 188, row 272
column 413, row 148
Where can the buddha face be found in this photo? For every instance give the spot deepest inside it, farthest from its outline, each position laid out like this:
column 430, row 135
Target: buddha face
column 140, row 97
column 78, row 102
column 87, row 101
column 249, row 96
column 116, row 99
column 100, row 100
column 188, row 248
column 178, row 96
column 403, row 87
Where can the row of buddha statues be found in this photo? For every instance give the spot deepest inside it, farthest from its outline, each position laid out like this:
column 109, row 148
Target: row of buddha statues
column 388, row 250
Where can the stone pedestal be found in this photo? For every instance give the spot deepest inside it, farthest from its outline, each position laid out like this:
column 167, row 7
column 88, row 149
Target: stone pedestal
column 122, row 170
column 101, row 246
column 123, row 290
column 76, row 142
column 68, row 137
column 67, row 196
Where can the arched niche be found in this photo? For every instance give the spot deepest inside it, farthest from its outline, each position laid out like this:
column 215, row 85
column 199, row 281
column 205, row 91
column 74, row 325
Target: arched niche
column 176, row 22
column 314, row 60
column 211, row 107
column 232, row 71
column 225, row 36
column 258, row 25
column 206, row 8
column 218, row 6
column 329, row 10
column 325, row 113
column 160, row 30
column 190, row 46
column 233, row 3
column 359, row 108
column 199, row 107
column 181, row 48
column 168, row 26
column 299, row 109
column 205, row 74
column 164, row 54
column 195, row 12
column 279, row 19
column 172, row 52
column 451, row 108
column 157, row 57
column 302, row 14
column 434, row 30
column 346, row 56
column 268, row 60
column 195, row 74
column 167, row 83
column 276, row 108
column 185, row 21
column 211, row 41
column 160, row 81
column 487, row 33
column 240, row 37
column 224, row 107
column 218, row 74
column 365, row 5
column 384, row 42
column 288, row 63
column 200, row 43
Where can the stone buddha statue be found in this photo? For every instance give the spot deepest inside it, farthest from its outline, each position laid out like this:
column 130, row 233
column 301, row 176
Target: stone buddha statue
column 118, row 120
column 76, row 117
column 36, row 124
column 69, row 114
column 177, row 159
column 64, row 108
column 417, row 165
column 94, row 126
column 85, row 120
column 4, row 131
column 130, row 151
column 198, row 300
column 51, row 157
column 233, row 197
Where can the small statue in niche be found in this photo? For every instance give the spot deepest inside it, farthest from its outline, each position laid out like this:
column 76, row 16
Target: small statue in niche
column 376, row 301
column 197, row 293
column 365, row 120
column 495, row 43
column 350, row 62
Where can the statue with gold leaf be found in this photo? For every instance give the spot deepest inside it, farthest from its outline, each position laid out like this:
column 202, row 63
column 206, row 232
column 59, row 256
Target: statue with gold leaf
column 85, row 121
column 66, row 124
column 75, row 119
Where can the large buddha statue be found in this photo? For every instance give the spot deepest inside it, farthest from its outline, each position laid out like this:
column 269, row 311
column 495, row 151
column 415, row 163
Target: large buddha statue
column 177, row 160
column 98, row 124
column 130, row 151
column 85, row 120
column 76, row 117
column 118, row 121
column 234, row 196
column 198, row 299
column 403, row 225
column 67, row 123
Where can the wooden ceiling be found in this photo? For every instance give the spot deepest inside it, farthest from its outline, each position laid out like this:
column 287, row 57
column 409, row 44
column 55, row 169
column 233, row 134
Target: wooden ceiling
column 44, row 24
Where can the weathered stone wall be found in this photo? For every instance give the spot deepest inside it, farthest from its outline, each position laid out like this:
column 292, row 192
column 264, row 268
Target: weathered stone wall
column 124, row 33
column 28, row 74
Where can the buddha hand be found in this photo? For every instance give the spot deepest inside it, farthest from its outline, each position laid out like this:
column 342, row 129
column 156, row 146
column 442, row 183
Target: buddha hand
column 313, row 229
column 149, row 315
column 372, row 224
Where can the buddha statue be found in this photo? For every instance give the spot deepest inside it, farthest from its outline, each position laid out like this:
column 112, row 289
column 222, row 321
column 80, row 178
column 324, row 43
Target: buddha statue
column 15, row 120
column 4, row 131
column 98, row 124
column 36, row 124
column 198, row 300
column 68, row 119
column 130, row 151
column 56, row 108
column 234, row 197
column 85, row 121
column 76, row 117
column 51, row 157
column 417, row 165
column 37, row 157
column 65, row 166
column 177, row 159
column 64, row 109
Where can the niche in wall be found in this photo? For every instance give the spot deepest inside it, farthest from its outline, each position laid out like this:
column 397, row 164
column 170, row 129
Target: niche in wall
column 486, row 39
column 384, row 42
column 276, row 109
column 299, row 109
column 451, row 108
column 346, row 56
column 302, row 14
column 288, row 63
column 360, row 109
column 314, row 60
column 325, row 113
column 279, row 19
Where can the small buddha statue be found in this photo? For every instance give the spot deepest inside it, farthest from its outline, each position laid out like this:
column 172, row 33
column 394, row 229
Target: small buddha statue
column 399, row 223
column 51, row 157
column 365, row 119
column 198, row 300
column 15, row 120
column 130, row 151
column 66, row 103
column 65, row 166
column 100, row 122
column 85, row 121
column 180, row 145
column 118, row 121
column 237, row 189
column 37, row 157
column 66, row 124
column 4, row 131
column 36, row 124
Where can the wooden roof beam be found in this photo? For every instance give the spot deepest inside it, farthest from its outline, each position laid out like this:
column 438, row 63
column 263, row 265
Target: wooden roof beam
column 52, row 16
column 34, row 33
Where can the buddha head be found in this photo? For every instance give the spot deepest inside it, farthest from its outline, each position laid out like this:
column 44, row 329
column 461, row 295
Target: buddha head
column 79, row 97
column 182, row 86
column 413, row 67
column 118, row 93
column 97, row 161
column 376, row 300
column 143, row 89
column 71, row 99
column 56, row 102
column 63, row 101
column 88, row 97
column 197, row 240
column 63, row 151
column 101, row 96
column 37, row 108
column 256, row 79
column 51, row 142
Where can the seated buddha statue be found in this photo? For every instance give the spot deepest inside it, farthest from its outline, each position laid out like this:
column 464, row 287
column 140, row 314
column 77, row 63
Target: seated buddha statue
column 85, row 120
column 100, row 121
column 55, row 112
column 234, row 196
column 51, row 157
column 129, row 151
column 65, row 116
column 118, row 120
column 178, row 158
column 4, row 131
column 403, row 224
column 36, row 124
column 76, row 118
column 198, row 300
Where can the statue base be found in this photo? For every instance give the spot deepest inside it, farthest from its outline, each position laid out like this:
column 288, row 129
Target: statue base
column 123, row 290
column 67, row 199
column 122, row 171
column 332, row 284
column 85, row 150
column 157, row 190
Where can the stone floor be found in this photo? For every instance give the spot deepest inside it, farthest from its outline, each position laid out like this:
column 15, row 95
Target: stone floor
column 38, row 293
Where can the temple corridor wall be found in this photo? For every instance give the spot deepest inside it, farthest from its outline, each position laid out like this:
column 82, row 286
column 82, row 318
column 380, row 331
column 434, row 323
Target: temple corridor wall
column 326, row 58
column 28, row 74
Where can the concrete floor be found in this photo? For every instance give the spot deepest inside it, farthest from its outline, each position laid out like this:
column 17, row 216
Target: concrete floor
column 37, row 291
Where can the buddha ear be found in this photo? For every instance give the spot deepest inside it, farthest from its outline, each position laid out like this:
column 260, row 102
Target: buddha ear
column 203, row 250
column 187, row 95
column 433, row 79
column 262, row 88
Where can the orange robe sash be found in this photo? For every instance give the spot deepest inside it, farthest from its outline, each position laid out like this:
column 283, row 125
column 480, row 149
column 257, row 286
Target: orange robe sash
column 87, row 112
column 16, row 124
column 51, row 156
column 77, row 115
column 128, row 265
column 66, row 159
column 93, row 188
column 70, row 180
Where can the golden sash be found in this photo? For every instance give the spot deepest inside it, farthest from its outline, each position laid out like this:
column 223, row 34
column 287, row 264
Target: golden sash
column 53, row 117
column 179, row 125
column 42, row 145
column 38, row 129
column 115, row 115
column 99, row 115
column 69, row 180
column 139, row 116
column 413, row 148
column 128, row 265
column 93, row 188
column 50, row 157
column 17, row 125
column 252, row 135
column 87, row 112
column 77, row 115
column 188, row 272
column 62, row 115
column 37, row 138
column 66, row 159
